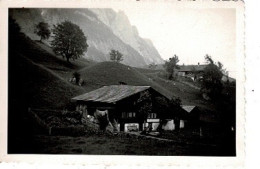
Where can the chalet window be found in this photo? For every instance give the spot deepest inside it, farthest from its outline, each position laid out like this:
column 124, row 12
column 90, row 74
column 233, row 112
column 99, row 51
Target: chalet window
column 152, row 116
column 124, row 115
column 128, row 114
column 134, row 114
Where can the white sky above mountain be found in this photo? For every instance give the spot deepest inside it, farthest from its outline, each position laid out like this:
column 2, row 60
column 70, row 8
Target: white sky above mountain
column 188, row 33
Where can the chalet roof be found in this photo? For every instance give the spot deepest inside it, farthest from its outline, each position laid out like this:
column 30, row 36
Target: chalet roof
column 111, row 94
column 188, row 108
column 190, row 68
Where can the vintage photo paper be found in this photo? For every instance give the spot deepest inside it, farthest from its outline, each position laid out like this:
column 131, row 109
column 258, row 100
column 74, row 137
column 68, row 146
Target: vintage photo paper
column 155, row 83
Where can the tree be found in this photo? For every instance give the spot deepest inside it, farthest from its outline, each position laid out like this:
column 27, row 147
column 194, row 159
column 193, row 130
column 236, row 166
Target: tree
column 42, row 30
column 161, row 106
column 143, row 107
column 168, row 109
column 176, row 112
column 171, row 65
column 69, row 41
column 211, row 81
column 152, row 66
column 115, row 56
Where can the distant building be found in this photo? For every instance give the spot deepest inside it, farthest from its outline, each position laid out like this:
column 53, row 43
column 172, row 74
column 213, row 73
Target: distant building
column 194, row 72
column 120, row 103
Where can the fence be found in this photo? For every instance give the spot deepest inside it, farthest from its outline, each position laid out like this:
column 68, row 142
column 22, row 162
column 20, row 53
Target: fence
column 76, row 130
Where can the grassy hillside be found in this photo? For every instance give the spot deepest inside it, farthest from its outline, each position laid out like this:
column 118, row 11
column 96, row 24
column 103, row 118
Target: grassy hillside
column 48, row 85
column 33, row 83
column 111, row 73
column 39, row 55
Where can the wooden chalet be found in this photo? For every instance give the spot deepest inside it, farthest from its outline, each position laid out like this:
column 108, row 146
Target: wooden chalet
column 122, row 102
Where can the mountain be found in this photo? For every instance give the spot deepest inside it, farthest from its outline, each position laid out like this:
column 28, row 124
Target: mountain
column 119, row 23
column 101, row 37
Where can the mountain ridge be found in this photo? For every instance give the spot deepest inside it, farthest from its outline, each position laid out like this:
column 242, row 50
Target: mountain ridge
column 100, row 37
column 119, row 23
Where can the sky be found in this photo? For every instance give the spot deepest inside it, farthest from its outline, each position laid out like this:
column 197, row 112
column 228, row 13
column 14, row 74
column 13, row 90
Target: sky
column 188, row 33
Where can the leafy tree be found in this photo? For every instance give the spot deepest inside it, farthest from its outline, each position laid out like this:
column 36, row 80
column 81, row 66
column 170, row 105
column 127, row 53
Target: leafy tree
column 69, row 40
column 176, row 112
column 152, row 66
column 143, row 106
column 116, row 56
column 161, row 106
column 171, row 65
column 42, row 30
column 168, row 109
column 211, row 81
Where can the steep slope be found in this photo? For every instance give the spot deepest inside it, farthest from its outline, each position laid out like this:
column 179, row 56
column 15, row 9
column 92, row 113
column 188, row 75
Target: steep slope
column 31, row 84
column 32, row 79
column 38, row 87
column 119, row 23
column 111, row 73
column 99, row 36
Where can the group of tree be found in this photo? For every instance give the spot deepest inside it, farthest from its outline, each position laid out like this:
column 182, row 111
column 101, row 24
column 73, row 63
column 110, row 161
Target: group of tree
column 115, row 55
column 69, row 41
column 222, row 93
column 170, row 66
column 212, row 78
column 211, row 84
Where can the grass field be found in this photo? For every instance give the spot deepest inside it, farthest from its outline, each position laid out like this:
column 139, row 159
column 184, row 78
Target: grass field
column 111, row 145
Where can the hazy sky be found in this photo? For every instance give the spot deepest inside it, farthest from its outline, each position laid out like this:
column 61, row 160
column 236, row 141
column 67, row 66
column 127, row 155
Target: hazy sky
column 188, row 33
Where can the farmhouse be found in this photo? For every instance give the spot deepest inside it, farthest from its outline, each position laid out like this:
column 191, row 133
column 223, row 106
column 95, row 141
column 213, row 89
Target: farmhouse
column 125, row 104
column 192, row 71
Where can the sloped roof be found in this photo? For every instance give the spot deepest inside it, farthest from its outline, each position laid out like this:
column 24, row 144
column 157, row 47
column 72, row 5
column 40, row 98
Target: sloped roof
column 189, row 68
column 111, row 94
column 188, row 108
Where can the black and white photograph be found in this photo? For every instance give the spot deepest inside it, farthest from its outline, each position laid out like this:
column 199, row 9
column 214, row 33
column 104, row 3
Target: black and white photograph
column 146, row 80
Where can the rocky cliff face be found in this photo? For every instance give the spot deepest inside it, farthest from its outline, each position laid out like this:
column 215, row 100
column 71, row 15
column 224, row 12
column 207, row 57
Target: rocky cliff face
column 119, row 23
column 104, row 29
